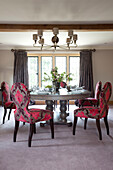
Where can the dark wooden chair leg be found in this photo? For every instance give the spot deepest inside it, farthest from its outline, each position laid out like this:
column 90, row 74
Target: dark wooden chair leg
column 34, row 128
column 9, row 113
column 85, row 123
column 99, row 128
column 30, row 134
column 68, row 105
column 74, row 125
column 106, row 124
column 52, row 128
column 15, row 130
column 79, row 105
column 5, row 112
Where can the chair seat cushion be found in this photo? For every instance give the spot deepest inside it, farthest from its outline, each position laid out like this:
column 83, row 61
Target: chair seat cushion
column 88, row 112
column 40, row 115
column 10, row 104
column 33, row 115
column 88, row 102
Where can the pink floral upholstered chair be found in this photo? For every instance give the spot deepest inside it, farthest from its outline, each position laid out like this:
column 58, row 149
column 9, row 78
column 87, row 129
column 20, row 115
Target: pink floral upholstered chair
column 92, row 101
column 21, row 97
column 96, row 113
column 8, row 104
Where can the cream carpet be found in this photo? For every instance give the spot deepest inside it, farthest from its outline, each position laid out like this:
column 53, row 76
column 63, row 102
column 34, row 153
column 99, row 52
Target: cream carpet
column 84, row 151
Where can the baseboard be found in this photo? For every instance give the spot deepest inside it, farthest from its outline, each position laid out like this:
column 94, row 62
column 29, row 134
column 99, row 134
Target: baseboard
column 39, row 102
column 71, row 102
column 110, row 102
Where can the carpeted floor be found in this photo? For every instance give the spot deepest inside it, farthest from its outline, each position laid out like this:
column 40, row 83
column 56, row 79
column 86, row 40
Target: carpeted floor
column 83, row 151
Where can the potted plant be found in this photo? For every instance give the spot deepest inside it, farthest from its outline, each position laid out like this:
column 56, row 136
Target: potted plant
column 56, row 78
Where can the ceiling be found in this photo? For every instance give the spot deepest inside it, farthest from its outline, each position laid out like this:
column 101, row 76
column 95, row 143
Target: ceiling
column 58, row 12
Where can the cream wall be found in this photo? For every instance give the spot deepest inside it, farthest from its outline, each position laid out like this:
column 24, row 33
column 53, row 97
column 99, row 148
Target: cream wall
column 102, row 66
column 6, row 67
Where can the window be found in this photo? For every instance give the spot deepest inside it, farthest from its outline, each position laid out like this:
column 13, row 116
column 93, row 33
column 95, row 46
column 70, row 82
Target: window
column 37, row 65
column 60, row 62
column 74, row 64
column 46, row 67
column 33, row 71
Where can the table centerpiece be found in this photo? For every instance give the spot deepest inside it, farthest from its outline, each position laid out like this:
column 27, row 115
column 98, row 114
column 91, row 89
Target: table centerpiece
column 56, row 79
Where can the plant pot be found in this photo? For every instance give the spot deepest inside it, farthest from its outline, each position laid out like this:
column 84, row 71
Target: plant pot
column 56, row 86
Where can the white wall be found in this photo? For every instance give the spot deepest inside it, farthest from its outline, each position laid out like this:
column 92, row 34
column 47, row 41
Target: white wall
column 102, row 66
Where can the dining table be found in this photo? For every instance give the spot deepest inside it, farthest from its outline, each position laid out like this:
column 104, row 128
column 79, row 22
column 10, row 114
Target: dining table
column 63, row 96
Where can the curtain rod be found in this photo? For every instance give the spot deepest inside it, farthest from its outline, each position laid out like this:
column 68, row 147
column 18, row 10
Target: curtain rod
column 79, row 50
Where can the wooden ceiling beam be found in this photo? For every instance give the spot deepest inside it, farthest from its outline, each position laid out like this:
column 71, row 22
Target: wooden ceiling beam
column 76, row 27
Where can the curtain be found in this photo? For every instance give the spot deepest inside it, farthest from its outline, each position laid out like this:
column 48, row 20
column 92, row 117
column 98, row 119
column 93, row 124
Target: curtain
column 20, row 67
column 86, row 71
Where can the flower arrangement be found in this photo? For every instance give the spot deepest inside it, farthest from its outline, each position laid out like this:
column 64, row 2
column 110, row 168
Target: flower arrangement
column 56, row 77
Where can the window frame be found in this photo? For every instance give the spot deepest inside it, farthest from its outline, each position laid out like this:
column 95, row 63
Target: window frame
column 69, row 63
column 37, row 67
column 41, row 66
column 53, row 55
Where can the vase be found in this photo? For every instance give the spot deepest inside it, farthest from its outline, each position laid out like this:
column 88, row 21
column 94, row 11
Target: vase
column 56, row 86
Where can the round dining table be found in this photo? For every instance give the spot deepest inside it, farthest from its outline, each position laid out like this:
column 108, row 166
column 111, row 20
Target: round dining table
column 63, row 98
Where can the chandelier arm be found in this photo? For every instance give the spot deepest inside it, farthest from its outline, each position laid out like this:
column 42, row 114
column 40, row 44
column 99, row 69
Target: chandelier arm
column 71, row 42
column 47, row 46
column 65, row 48
column 74, row 46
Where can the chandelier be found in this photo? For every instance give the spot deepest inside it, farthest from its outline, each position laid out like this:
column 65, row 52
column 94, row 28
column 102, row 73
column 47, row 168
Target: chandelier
column 70, row 40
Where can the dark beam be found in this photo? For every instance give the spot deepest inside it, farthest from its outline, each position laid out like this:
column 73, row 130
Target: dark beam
column 13, row 50
column 79, row 27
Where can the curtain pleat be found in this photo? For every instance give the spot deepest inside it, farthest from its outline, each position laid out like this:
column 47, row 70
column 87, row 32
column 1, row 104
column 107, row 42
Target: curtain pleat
column 20, row 67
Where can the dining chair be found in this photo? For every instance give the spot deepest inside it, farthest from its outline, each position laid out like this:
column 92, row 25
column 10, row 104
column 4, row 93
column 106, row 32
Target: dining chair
column 7, row 103
column 21, row 97
column 92, row 101
column 96, row 113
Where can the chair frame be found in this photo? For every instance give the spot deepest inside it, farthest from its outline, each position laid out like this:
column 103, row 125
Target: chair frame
column 97, row 120
column 97, row 94
column 32, row 128
column 3, row 84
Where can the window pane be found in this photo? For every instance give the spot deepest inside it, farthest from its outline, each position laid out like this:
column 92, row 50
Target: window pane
column 60, row 62
column 74, row 69
column 33, row 71
column 46, row 67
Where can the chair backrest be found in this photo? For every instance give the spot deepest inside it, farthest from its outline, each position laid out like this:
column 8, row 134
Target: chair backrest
column 20, row 96
column 104, row 99
column 5, row 91
column 98, row 89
